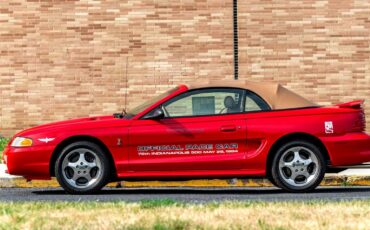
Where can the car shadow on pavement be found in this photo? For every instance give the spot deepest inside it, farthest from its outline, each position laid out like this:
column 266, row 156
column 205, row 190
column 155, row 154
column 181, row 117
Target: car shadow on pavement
column 216, row 191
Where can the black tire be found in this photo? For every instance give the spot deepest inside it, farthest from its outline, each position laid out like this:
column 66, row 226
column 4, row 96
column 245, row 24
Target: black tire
column 96, row 154
column 272, row 181
column 280, row 175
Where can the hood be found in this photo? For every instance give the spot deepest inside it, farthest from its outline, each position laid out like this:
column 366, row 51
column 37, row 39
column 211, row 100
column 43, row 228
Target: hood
column 80, row 123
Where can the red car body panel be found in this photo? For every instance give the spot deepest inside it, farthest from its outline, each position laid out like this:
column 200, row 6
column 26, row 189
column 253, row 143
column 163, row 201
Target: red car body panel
column 238, row 144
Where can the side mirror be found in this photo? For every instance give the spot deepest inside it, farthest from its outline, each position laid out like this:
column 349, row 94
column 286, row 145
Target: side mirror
column 155, row 114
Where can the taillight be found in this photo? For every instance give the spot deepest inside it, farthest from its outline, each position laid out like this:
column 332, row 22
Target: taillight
column 360, row 122
column 363, row 121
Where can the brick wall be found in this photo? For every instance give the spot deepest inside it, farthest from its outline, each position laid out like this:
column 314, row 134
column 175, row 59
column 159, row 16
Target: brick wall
column 66, row 59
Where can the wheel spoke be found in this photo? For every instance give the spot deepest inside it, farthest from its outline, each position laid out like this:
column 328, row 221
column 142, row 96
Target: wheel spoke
column 72, row 165
column 305, row 174
column 286, row 164
column 82, row 158
column 75, row 176
column 91, row 164
column 307, row 161
column 294, row 174
column 297, row 157
column 87, row 176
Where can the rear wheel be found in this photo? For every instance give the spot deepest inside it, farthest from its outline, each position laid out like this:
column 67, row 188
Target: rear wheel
column 82, row 167
column 298, row 166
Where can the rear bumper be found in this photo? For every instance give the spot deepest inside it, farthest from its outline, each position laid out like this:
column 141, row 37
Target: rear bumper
column 349, row 149
column 31, row 163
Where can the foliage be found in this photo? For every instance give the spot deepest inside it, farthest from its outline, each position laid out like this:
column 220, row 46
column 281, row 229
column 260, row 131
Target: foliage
column 3, row 143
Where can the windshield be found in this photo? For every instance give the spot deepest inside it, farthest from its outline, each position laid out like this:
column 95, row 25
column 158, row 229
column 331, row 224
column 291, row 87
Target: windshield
column 140, row 108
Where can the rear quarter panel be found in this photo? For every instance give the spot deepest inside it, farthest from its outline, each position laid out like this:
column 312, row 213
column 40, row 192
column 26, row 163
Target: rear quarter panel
column 266, row 128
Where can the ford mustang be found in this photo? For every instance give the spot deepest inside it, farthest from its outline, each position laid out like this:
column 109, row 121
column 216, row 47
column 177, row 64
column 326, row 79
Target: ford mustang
column 223, row 129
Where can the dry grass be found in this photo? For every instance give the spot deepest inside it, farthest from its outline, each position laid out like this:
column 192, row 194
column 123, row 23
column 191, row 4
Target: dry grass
column 171, row 215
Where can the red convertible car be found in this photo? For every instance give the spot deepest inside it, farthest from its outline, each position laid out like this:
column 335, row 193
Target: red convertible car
column 217, row 130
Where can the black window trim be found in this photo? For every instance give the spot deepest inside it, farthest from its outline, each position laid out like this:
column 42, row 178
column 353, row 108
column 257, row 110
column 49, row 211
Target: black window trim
column 244, row 94
column 259, row 97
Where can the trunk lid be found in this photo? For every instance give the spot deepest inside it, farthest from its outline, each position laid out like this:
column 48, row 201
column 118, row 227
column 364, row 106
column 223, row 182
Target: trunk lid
column 357, row 104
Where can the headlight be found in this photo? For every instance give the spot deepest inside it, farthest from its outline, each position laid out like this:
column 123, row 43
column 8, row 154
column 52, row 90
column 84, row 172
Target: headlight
column 21, row 142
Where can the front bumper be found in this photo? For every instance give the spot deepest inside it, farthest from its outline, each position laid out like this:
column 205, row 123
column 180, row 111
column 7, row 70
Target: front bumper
column 30, row 162
column 349, row 149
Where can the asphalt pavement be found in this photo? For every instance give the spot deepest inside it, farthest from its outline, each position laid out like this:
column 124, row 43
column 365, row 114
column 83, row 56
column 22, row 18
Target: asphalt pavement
column 196, row 195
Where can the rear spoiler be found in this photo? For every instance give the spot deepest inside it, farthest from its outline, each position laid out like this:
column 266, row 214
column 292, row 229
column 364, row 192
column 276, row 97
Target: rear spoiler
column 352, row 104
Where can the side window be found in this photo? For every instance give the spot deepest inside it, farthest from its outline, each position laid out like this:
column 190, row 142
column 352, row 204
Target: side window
column 254, row 103
column 205, row 102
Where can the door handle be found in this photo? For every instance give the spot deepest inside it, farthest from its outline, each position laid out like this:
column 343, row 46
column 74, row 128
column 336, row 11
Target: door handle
column 228, row 128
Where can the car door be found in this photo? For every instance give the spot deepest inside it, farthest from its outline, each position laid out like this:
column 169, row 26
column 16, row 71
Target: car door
column 202, row 129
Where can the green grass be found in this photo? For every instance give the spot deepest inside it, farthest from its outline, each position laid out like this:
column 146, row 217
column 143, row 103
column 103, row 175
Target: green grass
column 170, row 214
column 157, row 203
column 3, row 143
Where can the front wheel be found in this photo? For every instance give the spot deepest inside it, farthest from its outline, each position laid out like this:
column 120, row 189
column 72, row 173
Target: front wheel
column 82, row 167
column 298, row 166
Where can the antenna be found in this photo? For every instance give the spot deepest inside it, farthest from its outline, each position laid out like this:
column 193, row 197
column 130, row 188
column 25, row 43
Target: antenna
column 123, row 113
column 126, row 83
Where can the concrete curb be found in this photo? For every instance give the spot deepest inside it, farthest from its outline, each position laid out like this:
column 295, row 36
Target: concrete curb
column 329, row 180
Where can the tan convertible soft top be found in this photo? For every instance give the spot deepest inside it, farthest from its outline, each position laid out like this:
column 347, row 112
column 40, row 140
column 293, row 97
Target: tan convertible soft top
column 277, row 96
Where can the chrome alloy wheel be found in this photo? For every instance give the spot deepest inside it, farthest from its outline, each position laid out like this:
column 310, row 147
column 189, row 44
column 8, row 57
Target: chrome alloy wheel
column 299, row 166
column 81, row 168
